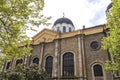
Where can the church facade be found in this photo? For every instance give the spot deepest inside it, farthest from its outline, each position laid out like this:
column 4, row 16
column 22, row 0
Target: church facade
column 66, row 53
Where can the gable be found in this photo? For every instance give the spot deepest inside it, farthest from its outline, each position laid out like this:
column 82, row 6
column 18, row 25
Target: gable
column 45, row 35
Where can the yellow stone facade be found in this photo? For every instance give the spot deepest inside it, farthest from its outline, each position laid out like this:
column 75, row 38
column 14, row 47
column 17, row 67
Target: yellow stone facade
column 52, row 43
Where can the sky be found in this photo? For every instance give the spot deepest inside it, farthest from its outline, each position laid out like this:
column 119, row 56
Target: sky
column 81, row 12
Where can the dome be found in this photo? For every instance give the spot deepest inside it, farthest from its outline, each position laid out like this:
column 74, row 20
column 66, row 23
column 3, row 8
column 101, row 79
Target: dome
column 109, row 7
column 63, row 20
column 63, row 25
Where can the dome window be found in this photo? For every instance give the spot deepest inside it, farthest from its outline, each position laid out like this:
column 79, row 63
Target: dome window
column 70, row 29
column 58, row 28
column 64, row 29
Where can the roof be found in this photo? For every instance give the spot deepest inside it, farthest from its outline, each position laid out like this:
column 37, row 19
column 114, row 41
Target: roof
column 109, row 7
column 47, row 35
column 63, row 20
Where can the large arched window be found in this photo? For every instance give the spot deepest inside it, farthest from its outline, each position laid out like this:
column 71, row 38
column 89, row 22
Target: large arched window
column 19, row 62
column 49, row 65
column 36, row 60
column 97, row 70
column 68, row 64
column 8, row 65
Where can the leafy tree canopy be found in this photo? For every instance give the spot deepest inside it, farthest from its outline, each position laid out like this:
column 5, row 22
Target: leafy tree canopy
column 112, row 42
column 15, row 15
column 25, row 73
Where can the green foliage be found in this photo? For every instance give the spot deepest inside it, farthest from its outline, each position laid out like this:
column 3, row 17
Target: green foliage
column 112, row 42
column 33, row 73
column 15, row 15
column 25, row 73
column 14, row 76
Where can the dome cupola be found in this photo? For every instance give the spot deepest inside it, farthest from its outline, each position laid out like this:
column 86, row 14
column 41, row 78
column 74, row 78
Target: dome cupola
column 63, row 25
column 109, row 8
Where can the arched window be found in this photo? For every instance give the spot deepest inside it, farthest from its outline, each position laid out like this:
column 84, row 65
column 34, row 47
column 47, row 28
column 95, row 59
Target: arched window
column 19, row 62
column 117, row 73
column 68, row 64
column 70, row 29
column 49, row 65
column 58, row 28
column 97, row 70
column 64, row 29
column 8, row 65
column 36, row 60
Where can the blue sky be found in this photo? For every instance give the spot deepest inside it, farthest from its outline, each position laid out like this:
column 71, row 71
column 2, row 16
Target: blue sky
column 81, row 12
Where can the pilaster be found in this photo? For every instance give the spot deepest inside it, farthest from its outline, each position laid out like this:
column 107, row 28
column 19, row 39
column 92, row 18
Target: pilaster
column 80, row 57
column 83, row 56
column 82, row 63
column 55, row 66
column 41, row 56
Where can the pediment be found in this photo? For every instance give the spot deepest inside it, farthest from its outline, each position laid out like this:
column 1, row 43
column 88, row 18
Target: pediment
column 45, row 35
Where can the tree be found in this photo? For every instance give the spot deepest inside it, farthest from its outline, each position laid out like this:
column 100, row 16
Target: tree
column 112, row 42
column 15, row 15
column 33, row 73
column 25, row 73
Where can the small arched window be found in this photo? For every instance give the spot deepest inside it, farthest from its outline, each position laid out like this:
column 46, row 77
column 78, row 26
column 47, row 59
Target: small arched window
column 36, row 60
column 49, row 65
column 64, row 29
column 58, row 28
column 68, row 64
column 8, row 65
column 70, row 29
column 19, row 62
column 97, row 70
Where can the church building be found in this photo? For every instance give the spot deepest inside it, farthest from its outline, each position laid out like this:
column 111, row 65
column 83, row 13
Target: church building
column 66, row 53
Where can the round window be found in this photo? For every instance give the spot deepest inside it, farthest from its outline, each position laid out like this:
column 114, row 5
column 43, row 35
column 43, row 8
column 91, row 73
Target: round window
column 94, row 45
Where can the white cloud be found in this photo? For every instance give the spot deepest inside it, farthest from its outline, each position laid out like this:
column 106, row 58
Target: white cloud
column 81, row 12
